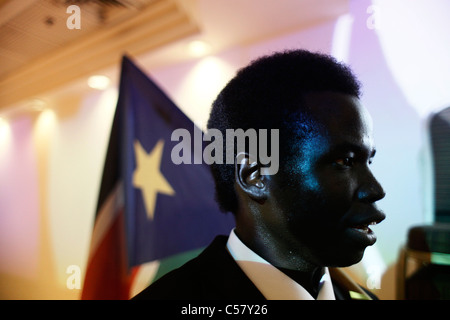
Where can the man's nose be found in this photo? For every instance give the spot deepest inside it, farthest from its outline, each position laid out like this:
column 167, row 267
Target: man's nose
column 370, row 189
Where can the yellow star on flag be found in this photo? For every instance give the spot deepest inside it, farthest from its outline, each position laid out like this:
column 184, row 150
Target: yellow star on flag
column 148, row 177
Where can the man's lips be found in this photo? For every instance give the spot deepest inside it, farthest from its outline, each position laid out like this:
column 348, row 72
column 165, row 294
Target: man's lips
column 359, row 226
column 365, row 218
column 365, row 227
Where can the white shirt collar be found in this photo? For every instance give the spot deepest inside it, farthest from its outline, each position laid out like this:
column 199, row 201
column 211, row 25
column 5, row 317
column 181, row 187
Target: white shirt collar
column 270, row 281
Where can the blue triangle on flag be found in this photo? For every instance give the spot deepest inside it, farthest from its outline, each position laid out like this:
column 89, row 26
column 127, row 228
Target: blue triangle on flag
column 185, row 219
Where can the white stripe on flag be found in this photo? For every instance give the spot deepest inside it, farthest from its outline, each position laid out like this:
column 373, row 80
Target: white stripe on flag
column 144, row 277
column 105, row 217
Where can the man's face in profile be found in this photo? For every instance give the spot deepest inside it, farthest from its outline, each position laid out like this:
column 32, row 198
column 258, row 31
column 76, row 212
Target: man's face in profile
column 323, row 203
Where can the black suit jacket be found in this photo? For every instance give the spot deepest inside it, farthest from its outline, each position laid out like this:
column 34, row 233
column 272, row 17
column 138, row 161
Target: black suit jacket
column 215, row 275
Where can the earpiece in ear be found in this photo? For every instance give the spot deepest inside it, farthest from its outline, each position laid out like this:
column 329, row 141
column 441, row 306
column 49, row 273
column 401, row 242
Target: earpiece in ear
column 249, row 178
column 255, row 178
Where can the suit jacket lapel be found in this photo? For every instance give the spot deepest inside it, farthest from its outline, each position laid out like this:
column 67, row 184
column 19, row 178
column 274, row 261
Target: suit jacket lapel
column 345, row 282
column 223, row 275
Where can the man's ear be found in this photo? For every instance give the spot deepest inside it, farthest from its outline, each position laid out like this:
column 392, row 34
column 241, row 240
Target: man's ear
column 249, row 178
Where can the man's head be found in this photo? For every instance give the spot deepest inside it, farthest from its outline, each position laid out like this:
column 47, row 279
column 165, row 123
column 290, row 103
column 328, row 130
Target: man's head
column 315, row 209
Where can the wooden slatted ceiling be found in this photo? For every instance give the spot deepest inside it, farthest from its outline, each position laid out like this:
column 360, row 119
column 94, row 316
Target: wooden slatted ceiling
column 39, row 53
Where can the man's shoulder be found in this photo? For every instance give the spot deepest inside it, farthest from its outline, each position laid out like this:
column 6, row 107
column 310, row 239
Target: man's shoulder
column 213, row 274
column 183, row 281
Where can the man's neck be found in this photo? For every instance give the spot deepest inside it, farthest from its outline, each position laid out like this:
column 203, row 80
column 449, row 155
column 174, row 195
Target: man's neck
column 310, row 281
column 276, row 254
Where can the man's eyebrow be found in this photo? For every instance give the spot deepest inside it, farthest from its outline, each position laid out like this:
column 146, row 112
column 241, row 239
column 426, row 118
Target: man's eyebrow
column 353, row 147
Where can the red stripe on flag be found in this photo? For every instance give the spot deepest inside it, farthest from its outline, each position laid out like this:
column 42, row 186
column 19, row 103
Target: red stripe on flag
column 107, row 275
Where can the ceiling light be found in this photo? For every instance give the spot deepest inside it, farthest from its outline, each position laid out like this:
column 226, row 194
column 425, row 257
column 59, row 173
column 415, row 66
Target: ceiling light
column 199, row 48
column 98, row 82
column 4, row 128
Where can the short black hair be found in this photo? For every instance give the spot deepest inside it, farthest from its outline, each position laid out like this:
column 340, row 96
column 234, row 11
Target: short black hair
column 267, row 94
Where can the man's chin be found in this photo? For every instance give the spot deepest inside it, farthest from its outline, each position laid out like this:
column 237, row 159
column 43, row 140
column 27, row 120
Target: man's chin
column 346, row 259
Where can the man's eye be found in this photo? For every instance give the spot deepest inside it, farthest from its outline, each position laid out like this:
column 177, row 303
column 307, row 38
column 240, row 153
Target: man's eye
column 345, row 162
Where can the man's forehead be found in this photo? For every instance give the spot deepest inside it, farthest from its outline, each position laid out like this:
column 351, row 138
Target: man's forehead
column 327, row 104
column 337, row 112
column 340, row 121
